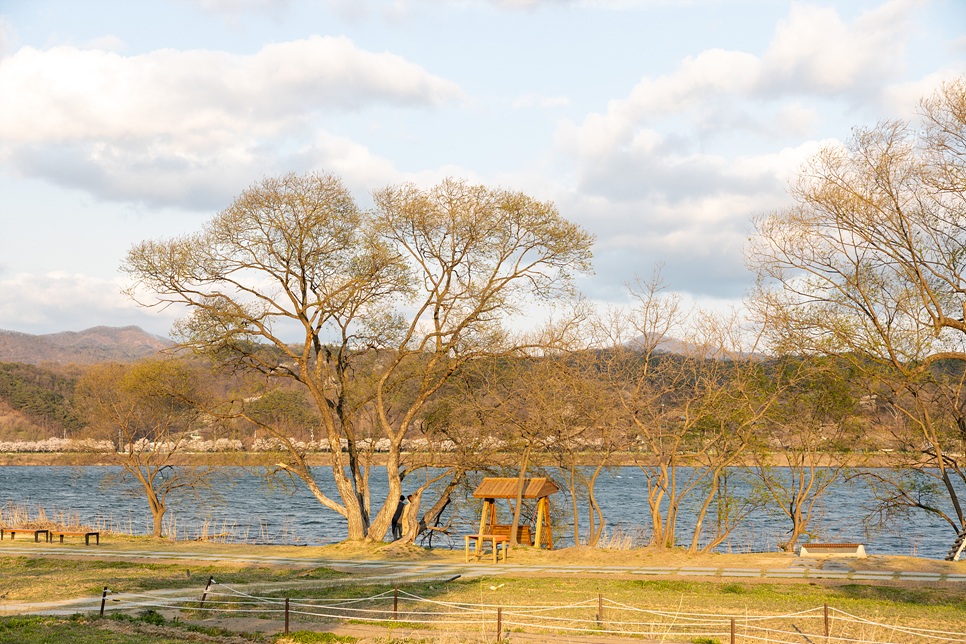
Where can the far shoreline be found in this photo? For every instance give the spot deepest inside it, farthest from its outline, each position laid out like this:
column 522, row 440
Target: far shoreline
column 323, row 459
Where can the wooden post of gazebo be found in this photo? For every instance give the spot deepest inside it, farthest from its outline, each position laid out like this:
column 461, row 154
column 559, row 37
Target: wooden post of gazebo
column 491, row 489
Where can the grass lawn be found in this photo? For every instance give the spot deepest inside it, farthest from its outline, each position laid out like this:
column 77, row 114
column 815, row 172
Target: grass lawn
column 33, row 579
column 43, row 578
column 930, row 608
column 151, row 628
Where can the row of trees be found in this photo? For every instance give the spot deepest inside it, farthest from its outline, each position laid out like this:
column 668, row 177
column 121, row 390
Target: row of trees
column 406, row 319
column 695, row 424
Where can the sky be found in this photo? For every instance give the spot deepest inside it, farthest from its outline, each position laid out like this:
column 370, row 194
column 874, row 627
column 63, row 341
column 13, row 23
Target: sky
column 662, row 127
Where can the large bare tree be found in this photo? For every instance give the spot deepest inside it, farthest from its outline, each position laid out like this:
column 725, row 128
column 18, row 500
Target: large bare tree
column 367, row 310
column 868, row 265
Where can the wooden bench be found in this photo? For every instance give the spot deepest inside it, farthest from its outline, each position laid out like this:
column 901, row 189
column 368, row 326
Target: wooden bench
column 524, row 537
column 479, row 539
column 833, row 550
column 87, row 536
column 14, row 531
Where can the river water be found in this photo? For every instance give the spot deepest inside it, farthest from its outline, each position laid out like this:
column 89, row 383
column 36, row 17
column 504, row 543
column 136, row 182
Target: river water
column 253, row 512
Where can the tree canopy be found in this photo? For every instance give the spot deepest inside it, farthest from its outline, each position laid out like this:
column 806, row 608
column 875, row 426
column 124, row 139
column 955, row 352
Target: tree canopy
column 383, row 305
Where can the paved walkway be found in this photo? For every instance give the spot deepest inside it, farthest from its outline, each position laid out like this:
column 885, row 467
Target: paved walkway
column 797, row 569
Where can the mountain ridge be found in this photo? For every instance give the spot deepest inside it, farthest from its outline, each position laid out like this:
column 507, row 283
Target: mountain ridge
column 96, row 344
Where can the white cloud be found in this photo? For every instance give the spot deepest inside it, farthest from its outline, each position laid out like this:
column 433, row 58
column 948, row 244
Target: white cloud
column 813, row 51
column 795, row 119
column 65, row 93
column 695, row 85
column 60, row 300
column 902, row 99
column 200, row 175
column 192, row 127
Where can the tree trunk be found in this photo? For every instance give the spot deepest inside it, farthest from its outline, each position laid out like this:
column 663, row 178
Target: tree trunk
column 795, row 512
column 382, row 522
column 157, row 512
column 157, row 515
column 432, row 515
column 520, row 483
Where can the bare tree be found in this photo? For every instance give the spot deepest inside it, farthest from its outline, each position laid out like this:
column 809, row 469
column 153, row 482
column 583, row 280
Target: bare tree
column 587, row 432
column 921, row 419
column 867, row 266
column 145, row 408
column 387, row 304
column 692, row 404
column 810, row 446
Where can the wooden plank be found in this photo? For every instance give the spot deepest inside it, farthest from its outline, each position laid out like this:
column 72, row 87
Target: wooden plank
column 479, row 544
column 539, row 536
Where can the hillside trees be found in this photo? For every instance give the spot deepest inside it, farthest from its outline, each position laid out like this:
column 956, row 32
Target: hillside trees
column 868, row 266
column 150, row 410
column 386, row 305
column 40, row 393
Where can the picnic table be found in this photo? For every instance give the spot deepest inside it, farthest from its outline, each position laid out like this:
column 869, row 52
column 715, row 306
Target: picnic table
column 494, row 539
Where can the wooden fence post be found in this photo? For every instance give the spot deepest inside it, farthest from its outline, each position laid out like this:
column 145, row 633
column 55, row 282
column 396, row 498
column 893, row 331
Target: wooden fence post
column 395, row 604
column 732, row 630
column 201, row 604
column 286, row 615
column 826, row 621
column 600, row 610
column 499, row 623
column 103, row 600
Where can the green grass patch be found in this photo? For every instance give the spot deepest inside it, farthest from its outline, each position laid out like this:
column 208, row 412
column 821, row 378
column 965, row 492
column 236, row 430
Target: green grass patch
column 81, row 629
column 311, row 637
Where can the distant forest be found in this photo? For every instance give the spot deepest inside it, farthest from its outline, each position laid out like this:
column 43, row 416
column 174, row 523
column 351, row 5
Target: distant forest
column 42, row 398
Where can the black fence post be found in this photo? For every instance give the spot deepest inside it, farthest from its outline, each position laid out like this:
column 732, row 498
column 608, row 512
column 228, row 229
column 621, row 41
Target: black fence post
column 103, row 600
column 395, row 603
column 286, row 615
column 201, row 604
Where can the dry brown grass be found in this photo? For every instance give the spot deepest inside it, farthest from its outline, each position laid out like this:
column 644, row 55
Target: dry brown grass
column 18, row 515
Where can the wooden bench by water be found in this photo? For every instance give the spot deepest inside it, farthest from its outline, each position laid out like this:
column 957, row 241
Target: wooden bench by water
column 13, row 533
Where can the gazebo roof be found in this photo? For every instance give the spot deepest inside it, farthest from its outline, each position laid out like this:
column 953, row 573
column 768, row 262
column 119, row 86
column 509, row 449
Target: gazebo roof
column 494, row 488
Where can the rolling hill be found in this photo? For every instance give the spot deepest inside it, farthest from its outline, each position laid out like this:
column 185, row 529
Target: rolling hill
column 97, row 344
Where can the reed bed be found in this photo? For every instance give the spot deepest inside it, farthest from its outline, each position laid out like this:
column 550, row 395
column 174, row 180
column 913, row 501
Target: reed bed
column 19, row 515
column 31, row 516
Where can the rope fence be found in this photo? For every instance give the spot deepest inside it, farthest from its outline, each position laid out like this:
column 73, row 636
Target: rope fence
column 596, row 616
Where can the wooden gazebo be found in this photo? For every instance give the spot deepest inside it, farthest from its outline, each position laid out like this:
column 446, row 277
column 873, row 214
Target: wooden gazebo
column 491, row 489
